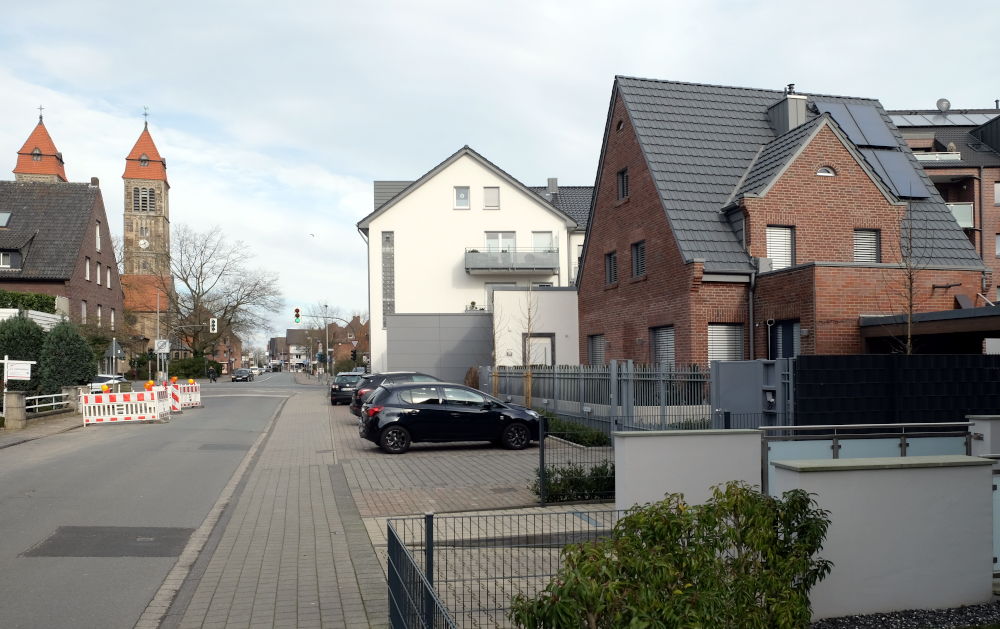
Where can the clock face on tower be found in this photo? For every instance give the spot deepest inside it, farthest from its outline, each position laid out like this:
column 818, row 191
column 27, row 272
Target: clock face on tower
column 143, row 243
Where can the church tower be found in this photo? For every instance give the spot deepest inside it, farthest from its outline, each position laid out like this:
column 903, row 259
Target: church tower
column 38, row 159
column 146, row 248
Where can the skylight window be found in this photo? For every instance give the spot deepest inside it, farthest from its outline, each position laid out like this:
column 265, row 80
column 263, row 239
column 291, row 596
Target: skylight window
column 4, row 218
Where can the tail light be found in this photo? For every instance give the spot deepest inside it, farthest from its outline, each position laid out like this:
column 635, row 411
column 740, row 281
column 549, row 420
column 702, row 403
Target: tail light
column 374, row 410
column 363, row 392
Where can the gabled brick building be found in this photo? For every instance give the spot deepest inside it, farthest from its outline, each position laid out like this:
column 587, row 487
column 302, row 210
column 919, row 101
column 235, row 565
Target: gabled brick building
column 730, row 223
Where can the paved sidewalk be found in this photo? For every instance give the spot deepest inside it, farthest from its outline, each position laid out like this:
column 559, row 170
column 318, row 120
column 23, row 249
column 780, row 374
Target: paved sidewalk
column 42, row 427
column 294, row 551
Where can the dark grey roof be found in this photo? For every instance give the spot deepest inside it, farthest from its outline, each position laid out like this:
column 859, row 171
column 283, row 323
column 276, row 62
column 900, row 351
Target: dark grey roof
column 297, row 336
column 385, row 190
column 699, row 140
column 572, row 200
column 974, row 151
column 934, row 118
column 775, row 155
column 47, row 225
column 941, row 315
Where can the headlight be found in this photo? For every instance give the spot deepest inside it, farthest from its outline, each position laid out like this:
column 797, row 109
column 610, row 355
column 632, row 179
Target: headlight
column 534, row 414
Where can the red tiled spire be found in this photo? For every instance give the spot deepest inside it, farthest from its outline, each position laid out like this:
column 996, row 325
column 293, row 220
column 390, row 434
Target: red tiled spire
column 39, row 156
column 144, row 162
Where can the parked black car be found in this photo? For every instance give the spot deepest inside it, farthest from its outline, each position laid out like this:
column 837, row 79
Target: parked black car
column 371, row 381
column 342, row 387
column 398, row 414
column 242, row 375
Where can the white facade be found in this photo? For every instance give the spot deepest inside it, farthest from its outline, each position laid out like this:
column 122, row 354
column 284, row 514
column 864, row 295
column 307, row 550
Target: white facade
column 536, row 326
column 419, row 242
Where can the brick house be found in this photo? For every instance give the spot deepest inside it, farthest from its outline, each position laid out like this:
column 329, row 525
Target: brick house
column 730, row 223
column 54, row 237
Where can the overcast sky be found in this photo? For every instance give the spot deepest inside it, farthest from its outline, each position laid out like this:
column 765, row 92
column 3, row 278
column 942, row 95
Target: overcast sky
column 275, row 118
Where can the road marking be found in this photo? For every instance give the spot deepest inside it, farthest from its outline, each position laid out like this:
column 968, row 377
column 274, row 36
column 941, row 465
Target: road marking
column 160, row 605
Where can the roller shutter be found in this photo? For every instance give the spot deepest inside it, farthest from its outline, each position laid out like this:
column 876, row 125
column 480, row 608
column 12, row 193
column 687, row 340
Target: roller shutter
column 725, row 341
column 663, row 345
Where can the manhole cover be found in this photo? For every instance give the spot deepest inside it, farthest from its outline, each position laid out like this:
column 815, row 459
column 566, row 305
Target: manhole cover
column 112, row 541
column 223, row 446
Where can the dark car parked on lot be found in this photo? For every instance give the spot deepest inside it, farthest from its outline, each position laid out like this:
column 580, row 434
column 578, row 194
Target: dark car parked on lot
column 371, row 381
column 242, row 375
column 342, row 387
column 398, row 414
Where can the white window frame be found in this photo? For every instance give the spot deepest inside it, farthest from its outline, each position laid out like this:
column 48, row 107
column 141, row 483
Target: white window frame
column 98, row 267
column 83, row 312
column 488, row 202
column 547, row 236
column 500, row 237
column 6, row 260
column 112, row 319
column 86, row 269
column 97, row 236
column 108, row 277
column 100, row 313
column 467, row 203
column 781, row 246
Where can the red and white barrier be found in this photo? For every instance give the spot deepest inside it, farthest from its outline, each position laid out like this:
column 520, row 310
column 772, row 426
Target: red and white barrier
column 188, row 394
column 135, row 406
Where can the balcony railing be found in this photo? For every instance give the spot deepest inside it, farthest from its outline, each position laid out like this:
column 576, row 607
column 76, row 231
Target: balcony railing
column 941, row 156
column 963, row 214
column 513, row 260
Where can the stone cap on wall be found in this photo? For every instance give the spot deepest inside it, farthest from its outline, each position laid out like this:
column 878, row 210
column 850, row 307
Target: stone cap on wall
column 880, row 463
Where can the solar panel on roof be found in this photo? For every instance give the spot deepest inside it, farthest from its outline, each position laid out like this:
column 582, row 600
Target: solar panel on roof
column 896, row 170
column 872, row 125
column 844, row 119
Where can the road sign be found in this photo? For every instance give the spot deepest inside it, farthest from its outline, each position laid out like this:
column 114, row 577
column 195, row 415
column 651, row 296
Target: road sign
column 19, row 369
column 161, row 346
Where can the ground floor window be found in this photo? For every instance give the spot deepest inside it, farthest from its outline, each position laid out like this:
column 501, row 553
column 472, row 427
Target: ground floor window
column 783, row 339
column 595, row 349
column 662, row 345
column 725, row 341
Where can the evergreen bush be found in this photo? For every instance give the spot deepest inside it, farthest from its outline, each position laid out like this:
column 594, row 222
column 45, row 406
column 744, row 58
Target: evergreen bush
column 21, row 339
column 66, row 359
column 197, row 367
column 576, row 482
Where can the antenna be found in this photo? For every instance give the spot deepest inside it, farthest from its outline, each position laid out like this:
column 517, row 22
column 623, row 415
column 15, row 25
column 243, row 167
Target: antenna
column 943, row 105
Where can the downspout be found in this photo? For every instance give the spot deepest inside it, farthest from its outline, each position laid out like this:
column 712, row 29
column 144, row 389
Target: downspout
column 982, row 243
column 750, row 294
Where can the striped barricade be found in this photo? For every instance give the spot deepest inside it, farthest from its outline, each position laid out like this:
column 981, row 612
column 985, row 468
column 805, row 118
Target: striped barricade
column 189, row 395
column 114, row 408
column 175, row 397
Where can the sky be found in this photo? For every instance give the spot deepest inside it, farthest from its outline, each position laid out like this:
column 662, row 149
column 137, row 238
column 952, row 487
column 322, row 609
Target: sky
column 276, row 118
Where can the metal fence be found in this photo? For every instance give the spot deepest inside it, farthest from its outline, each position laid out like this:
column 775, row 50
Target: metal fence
column 638, row 397
column 46, row 403
column 463, row 571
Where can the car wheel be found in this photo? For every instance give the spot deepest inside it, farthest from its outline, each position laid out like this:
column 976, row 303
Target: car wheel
column 515, row 436
column 395, row 440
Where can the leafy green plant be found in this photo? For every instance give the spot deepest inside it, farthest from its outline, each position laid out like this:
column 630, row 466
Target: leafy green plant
column 66, row 359
column 571, row 431
column 742, row 559
column 21, row 339
column 576, row 482
column 28, row 301
column 196, row 367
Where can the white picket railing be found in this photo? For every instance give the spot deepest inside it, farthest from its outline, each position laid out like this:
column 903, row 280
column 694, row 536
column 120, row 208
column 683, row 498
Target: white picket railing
column 43, row 403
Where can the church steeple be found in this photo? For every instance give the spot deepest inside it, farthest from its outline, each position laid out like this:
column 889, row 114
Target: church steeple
column 38, row 159
column 146, row 248
column 144, row 161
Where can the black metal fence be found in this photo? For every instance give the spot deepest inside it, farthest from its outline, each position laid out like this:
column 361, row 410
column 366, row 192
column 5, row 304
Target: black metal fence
column 463, row 571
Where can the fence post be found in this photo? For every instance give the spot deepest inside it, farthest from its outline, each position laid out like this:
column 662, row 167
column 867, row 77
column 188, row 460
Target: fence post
column 15, row 417
column 429, row 569
column 495, row 381
column 613, row 389
column 543, row 425
column 527, row 387
column 628, row 390
column 555, row 390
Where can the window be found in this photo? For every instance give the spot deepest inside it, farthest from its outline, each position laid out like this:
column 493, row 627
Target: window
column 826, row 171
column 108, row 276
column 462, row 397
column 83, row 311
column 143, row 231
column 725, row 341
column 36, row 154
column 623, row 183
column 996, row 193
column 781, row 246
column 5, row 260
column 595, row 349
column 542, row 241
column 144, row 160
column 461, row 197
column 866, row 245
column 491, row 198
column 611, row 267
column 662, row 341
column 99, row 314
column 420, row 395
column 500, row 241
column 86, row 269
column 97, row 236
column 98, row 273
column 112, row 319
column 4, row 218
column 639, row 258
column 143, row 199
column 783, row 339
column 997, row 246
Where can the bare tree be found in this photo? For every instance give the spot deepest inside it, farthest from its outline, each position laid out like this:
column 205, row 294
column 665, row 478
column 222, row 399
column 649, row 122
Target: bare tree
column 212, row 278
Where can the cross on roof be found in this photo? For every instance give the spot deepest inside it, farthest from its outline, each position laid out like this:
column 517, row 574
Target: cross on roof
column 40, row 108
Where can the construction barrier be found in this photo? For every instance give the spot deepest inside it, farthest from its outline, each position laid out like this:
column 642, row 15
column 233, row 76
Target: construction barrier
column 137, row 406
column 188, row 395
column 175, row 397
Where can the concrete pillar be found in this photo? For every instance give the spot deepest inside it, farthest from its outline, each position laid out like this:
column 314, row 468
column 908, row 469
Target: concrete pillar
column 14, row 415
column 986, row 434
column 72, row 397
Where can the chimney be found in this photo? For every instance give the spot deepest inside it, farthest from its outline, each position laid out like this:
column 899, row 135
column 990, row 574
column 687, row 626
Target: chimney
column 95, row 182
column 553, row 187
column 787, row 113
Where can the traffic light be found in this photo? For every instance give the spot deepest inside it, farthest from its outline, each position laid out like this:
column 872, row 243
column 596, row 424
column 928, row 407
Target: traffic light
column 297, row 317
column 213, row 325
column 354, row 355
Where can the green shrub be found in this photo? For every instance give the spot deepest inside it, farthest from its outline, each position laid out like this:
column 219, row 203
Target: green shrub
column 571, row 431
column 576, row 482
column 196, row 367
column 743, row 559
column 21, row 339
column 28, row 301
column 66, row 359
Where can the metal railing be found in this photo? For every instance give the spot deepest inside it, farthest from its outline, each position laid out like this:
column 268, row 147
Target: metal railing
column 470, row 566
column 512, row 259
column 46, row 403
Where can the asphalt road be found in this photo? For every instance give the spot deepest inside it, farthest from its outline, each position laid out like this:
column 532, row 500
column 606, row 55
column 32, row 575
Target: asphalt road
column 92, row 520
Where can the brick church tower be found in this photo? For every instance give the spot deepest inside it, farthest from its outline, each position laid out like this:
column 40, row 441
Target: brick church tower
column 147, row 210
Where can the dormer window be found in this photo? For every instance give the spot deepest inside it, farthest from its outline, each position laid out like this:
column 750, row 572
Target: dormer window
column 4, row 218
column 6, row 260
column 826, row 171
column 36, row 155
column 144, row 160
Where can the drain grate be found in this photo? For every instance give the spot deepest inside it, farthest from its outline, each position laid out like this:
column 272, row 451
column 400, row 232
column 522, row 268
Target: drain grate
column 112, row 541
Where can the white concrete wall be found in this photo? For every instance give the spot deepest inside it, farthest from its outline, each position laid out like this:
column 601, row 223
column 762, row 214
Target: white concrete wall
column 551, row 312
column 651, row 464
column 431, row 237
column 905, row 533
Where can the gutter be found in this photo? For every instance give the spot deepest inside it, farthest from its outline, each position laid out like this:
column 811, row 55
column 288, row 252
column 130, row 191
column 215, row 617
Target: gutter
column 750, row 297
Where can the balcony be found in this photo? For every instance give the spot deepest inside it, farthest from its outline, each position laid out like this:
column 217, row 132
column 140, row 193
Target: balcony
column 519, row 261
column 963, row 214
column 941, row 156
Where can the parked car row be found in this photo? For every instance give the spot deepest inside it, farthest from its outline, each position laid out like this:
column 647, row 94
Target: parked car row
column 396, row 409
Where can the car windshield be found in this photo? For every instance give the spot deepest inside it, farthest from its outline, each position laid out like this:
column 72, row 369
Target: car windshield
column 348, row 379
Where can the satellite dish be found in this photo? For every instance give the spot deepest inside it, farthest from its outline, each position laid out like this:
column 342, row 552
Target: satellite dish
column 943, row 105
